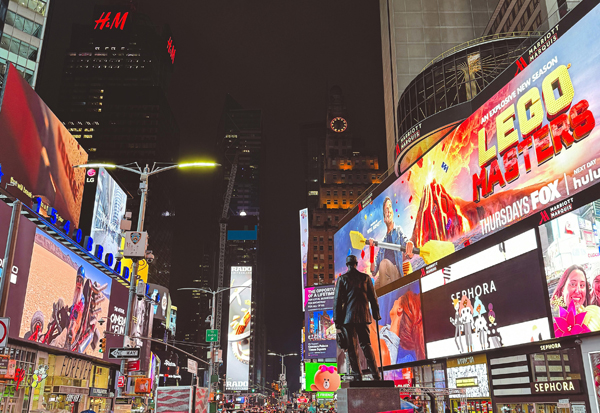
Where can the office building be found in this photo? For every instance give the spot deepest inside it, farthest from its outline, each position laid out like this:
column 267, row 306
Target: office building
column 22, row 26
column 337, row 175
column 240, row 143
column 113, row 101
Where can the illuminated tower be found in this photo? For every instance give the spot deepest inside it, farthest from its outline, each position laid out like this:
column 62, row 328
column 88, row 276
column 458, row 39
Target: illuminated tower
column 113, row 101
column 342, row 173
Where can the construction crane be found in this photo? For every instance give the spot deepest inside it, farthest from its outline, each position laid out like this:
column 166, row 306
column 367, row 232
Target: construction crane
column 221, row 276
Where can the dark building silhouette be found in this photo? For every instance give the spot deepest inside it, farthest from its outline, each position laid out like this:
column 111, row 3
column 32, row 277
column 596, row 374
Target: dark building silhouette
column 113, row 101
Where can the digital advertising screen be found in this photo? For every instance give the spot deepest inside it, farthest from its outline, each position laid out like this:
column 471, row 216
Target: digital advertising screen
column 38, row 153
column 160, row 310
column 533, row 144
column 400, row 327
column 65, row 298
column 479, row 311
column 322, row 377
column 570, row 246
column 318, row 320
column 109, row 209
column 304, row 248
column 239, row 324
column 471, row 374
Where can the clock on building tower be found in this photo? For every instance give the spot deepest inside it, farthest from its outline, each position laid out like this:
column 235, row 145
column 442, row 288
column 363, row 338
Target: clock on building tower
column 338, row 124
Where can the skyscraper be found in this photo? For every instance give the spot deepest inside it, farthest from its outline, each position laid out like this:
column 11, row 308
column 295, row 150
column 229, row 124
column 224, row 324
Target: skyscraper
column 22, row 25
column 240, row 143
column 113, row 100
column 338, row 174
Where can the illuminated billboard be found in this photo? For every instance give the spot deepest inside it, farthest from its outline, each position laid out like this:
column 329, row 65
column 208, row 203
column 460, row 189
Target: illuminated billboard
column 322, row 377
column 65, row 298
column 39, row 154
column 239, row 326
column 489, row 300
column 400, row 327
column 570, row 245
column 304, row 249
column 104, row 204
column 533, row 144
column 318, row 320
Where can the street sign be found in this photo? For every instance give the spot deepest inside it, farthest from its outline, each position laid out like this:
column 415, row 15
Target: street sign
column 192, row 366
column 136, row 244
column 124, row 353
column 212, row 336
column 4, row 326
column 121, row 381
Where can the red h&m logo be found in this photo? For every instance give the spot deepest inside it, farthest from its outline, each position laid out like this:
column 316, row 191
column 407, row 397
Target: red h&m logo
column 171, row 50
column 104, row 20
column 521, row 65
column 545, row 217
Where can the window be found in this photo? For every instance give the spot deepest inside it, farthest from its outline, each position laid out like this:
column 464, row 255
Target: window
column 320, row 238
column 322, row 257
column 330, row 247
column 315, row 238
column 328, row 193
column 328, row 201
column 320, row 248
column 315, row 247
column 331, row 266
column 23, row 24
column 335, row 201
column 343, row 201
column 343, row 193
column 330, row 256
column 315, row 257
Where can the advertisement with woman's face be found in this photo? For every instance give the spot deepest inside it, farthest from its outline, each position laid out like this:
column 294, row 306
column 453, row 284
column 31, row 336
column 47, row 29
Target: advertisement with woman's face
column 572, row 264
column 401, row 326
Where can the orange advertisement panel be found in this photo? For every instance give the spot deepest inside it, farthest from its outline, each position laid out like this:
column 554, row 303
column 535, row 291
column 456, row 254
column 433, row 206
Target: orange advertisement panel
column 143, row 385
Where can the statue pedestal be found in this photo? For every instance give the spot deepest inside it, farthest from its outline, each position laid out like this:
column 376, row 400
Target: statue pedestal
column 368, row 397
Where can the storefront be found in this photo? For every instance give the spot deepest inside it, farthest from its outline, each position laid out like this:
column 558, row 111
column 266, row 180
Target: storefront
column 425, row 375
column 590, row 351
column 66, row 387
column 100, row 395
column 470, row 373
column 540, row 378
column 20, row 365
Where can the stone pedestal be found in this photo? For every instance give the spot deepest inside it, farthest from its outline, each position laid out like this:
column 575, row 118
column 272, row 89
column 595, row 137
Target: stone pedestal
column 367, row 399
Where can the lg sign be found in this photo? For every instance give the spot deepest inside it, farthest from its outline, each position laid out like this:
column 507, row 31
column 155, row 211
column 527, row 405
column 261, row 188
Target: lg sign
column 105, row 22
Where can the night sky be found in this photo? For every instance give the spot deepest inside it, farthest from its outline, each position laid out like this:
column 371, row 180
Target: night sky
column 278, row 56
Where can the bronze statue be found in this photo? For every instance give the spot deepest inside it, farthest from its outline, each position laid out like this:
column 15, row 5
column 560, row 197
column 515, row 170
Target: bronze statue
column 354, row 292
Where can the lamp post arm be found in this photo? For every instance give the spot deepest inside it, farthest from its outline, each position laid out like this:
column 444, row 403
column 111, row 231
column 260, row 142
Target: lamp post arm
column 162, row 169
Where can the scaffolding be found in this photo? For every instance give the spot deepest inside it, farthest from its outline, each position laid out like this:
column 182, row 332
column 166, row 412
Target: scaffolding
column 436, row 397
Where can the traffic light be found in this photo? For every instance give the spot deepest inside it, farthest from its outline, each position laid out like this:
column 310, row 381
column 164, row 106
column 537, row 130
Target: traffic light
column 253, row 390
column 102, row 345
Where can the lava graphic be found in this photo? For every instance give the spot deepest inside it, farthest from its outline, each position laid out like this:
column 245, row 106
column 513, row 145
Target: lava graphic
column 439, row 216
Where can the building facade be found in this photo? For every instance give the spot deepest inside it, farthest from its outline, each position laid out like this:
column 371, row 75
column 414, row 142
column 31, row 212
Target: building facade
column 413, row 33
column 22, row 26
column 113, row 101
column 240, row 143
column 337, row 175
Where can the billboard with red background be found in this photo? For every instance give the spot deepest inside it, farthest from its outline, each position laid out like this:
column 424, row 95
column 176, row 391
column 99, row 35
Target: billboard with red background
column 38, row 153
column 533, row 144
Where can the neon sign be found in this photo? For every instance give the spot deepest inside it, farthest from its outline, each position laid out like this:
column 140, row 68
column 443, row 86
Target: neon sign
column 171, row 50
column 104, row 20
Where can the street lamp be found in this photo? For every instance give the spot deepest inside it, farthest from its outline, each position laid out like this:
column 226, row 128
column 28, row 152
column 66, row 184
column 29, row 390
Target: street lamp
column 282, row 357
column 144, row 174
column 212, row 321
